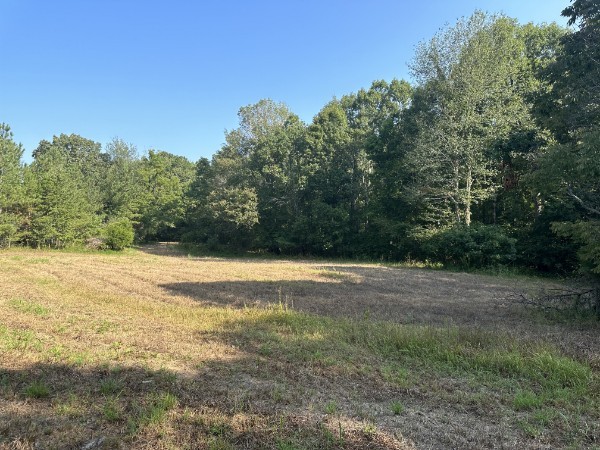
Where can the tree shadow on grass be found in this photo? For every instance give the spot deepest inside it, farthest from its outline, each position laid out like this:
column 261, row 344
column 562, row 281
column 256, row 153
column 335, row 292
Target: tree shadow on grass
column 357, row 298
column 47, row 405
column 176, row 250
column 404, row 297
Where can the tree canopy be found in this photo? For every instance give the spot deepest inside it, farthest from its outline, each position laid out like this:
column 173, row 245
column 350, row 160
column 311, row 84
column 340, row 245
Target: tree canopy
column 490, row 156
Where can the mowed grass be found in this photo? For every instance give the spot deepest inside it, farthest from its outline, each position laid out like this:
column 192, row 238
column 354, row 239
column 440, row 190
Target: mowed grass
column 138, row 350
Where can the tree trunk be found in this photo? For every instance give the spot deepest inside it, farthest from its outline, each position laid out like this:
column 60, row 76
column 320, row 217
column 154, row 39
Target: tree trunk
column 468, row 197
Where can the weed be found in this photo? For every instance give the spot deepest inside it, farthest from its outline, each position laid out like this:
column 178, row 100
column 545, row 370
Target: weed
column 544, row 417
column 56, row 351
column 71, row 407
column 219, row 428
column 4, row 384
column 527, row 400
column 37, row 389
column 112, row 410
column 160, row 404
column 104, row 326
column 110, row 386
column 278, row 394
column 397, row 408
column 529, row 429
column 396, row 375
column 79, row 359
column 331, row 407
column 152, row 413
column 16, row 339
column 286, row 445
column 220, row 443
column 265, row 350
column 369, row 429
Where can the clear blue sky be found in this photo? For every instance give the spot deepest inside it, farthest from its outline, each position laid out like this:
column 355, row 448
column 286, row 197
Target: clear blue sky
column 171, row 75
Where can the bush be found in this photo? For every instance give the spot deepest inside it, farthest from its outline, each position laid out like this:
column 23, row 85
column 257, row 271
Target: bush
column 119, row 234
column 474, row 246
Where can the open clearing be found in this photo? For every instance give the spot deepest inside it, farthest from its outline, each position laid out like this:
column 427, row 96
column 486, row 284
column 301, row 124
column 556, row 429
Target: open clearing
column 155, row 349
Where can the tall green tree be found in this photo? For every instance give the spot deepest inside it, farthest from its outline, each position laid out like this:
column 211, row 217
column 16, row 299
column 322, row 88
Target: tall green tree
column 568, row 174
column 63, row 214
column 376, row 117
column 12, row 194
column 248, row 192
column 83, row 155
column 573, row 101
column 164, row 179
column 475, row 75
column 121, row 183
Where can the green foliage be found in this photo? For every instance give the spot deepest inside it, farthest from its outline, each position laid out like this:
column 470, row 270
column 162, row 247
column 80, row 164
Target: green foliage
column 527, row 400
column 37, row 389
column 112, row 410
column 474, row 246
column 500, row 128
column 474, row 75
column 587, row 235
column 573, row 102
column 121, row 184
column 397, row 408
column 9, row 229
column 12, row 193
column 29, row 307
column 164, row 179
column 63, row 214
column 118, row 234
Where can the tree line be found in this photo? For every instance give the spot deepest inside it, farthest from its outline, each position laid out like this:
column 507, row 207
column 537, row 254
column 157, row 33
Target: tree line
column 491, row 156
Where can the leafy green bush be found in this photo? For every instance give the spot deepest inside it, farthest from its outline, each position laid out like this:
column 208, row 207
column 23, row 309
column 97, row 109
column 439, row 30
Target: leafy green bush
column 118, row 234
column 587, row 235
column 474, row 246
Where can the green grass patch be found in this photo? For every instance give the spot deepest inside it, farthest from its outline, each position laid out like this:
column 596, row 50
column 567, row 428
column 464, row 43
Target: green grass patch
column 153, row 412
column 17, row 339
column 71, row 407
column 112, row 409
column 28, row 307
column 397, row 408
column 527, row 400
column 110, row 386
column 405, row 352
column 37, row 389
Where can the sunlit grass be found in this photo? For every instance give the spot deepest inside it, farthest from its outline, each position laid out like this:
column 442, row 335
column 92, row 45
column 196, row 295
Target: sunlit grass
column 141, row 354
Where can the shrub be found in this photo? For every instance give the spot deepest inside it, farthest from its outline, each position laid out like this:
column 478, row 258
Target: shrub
column 119, row 234
column 474, row 246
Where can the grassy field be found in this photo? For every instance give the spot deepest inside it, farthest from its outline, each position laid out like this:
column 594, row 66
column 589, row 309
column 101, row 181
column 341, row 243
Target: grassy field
column 156, row 349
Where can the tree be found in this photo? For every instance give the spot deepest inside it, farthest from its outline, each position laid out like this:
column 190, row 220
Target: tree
column 164, row 179
column 324, row 224
column 83, row 155
column 11, row 187
column 574, row 76
column 248, row 192
column 121, row 186
column 473, row 77
column 568, row 174
column 376, row 117
column 63, row 214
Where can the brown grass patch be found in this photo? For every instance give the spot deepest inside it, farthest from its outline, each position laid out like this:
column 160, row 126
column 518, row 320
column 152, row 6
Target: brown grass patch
column 146, row 350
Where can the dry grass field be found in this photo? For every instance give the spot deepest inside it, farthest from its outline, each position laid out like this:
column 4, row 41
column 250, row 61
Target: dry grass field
column 155, row 349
